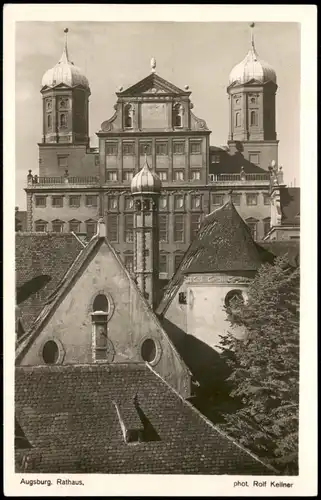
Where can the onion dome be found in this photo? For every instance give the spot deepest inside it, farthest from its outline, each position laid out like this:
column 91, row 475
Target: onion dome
column 252, row 68
column 64, row 72
column 146, row 181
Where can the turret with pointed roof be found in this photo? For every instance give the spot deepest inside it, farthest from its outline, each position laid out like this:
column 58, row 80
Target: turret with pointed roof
column 146, row 188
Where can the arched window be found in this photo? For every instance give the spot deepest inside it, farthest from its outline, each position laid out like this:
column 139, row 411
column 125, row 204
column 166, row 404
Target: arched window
column 177, row 115
column 253, row 118
column 128, row 116
column 237, row 119
column 63, row 120
column 49, row 121
column 101, row 303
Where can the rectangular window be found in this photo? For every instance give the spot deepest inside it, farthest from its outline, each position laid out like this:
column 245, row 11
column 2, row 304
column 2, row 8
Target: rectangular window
column 216, row 159
column 128, row 148
column 127, row 176
column 195, row 175
column 163, row 203
column 129, row 228
column 217, row 199
column 74, row 201
column 63, row 161
column 163, row 263
column 161, row 148
column 195, row 148
column 251, row 199
column 40, row 201
column 195, row 224
column 74, row 226
column 163, row 228
column 179, row 228
column 40, row 227
column 236, row 199
column 129, row 262
column 179, row 202
column 97, row 161
column 178, row 175
column 178, row 260
column 57, row 201
column 112, row 227
column 145, row 147
column 267, row 226
column 196, row 202
column 178, row 148
column 57, row 226
column 91, row 200
column 182, row 298
column 91, row 229
column 254, row 158
column 111, row 148
column 111, row 176
column 112, row 202
column 267, row 199
column 253, row 228
column 129, row 203
column 162, row 175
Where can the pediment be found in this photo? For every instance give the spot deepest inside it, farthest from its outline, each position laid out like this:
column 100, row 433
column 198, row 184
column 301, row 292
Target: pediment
column 152, row 84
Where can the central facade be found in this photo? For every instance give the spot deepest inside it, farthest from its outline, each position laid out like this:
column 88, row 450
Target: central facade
column 77, row 184
column 154, row 119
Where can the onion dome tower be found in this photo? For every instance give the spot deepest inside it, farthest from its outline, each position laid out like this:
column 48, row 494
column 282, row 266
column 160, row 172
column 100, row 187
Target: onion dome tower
column 65, row 91
column 146, row 188
column 251, row 88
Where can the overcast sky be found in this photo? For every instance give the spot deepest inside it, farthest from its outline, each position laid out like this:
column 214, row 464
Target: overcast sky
column 115, row 54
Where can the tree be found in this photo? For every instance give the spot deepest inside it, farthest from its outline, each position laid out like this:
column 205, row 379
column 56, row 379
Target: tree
column 265, row 366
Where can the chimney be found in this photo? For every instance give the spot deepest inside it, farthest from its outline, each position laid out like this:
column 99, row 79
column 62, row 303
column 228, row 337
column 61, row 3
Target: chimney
column 101, row 228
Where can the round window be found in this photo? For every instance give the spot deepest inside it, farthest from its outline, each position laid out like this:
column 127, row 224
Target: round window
column 50, row 352
column 232, row 296
column 148, row 350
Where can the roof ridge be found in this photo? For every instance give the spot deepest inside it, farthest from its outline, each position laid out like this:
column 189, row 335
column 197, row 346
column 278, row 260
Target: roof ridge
column 122, row 365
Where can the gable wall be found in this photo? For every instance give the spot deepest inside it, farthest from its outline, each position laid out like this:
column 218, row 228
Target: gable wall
column 128, row 325
column 204, row 316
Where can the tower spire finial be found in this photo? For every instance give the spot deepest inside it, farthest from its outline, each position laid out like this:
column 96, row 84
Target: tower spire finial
column 252, row 34
column 153, row 64
column 64, row 57
column 145, row 154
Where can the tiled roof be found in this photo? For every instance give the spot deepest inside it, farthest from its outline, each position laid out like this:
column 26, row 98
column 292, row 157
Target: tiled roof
column 223, row 244
column 290, row 205
column 289, row 248
column 45, row 259
column 76, row 428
